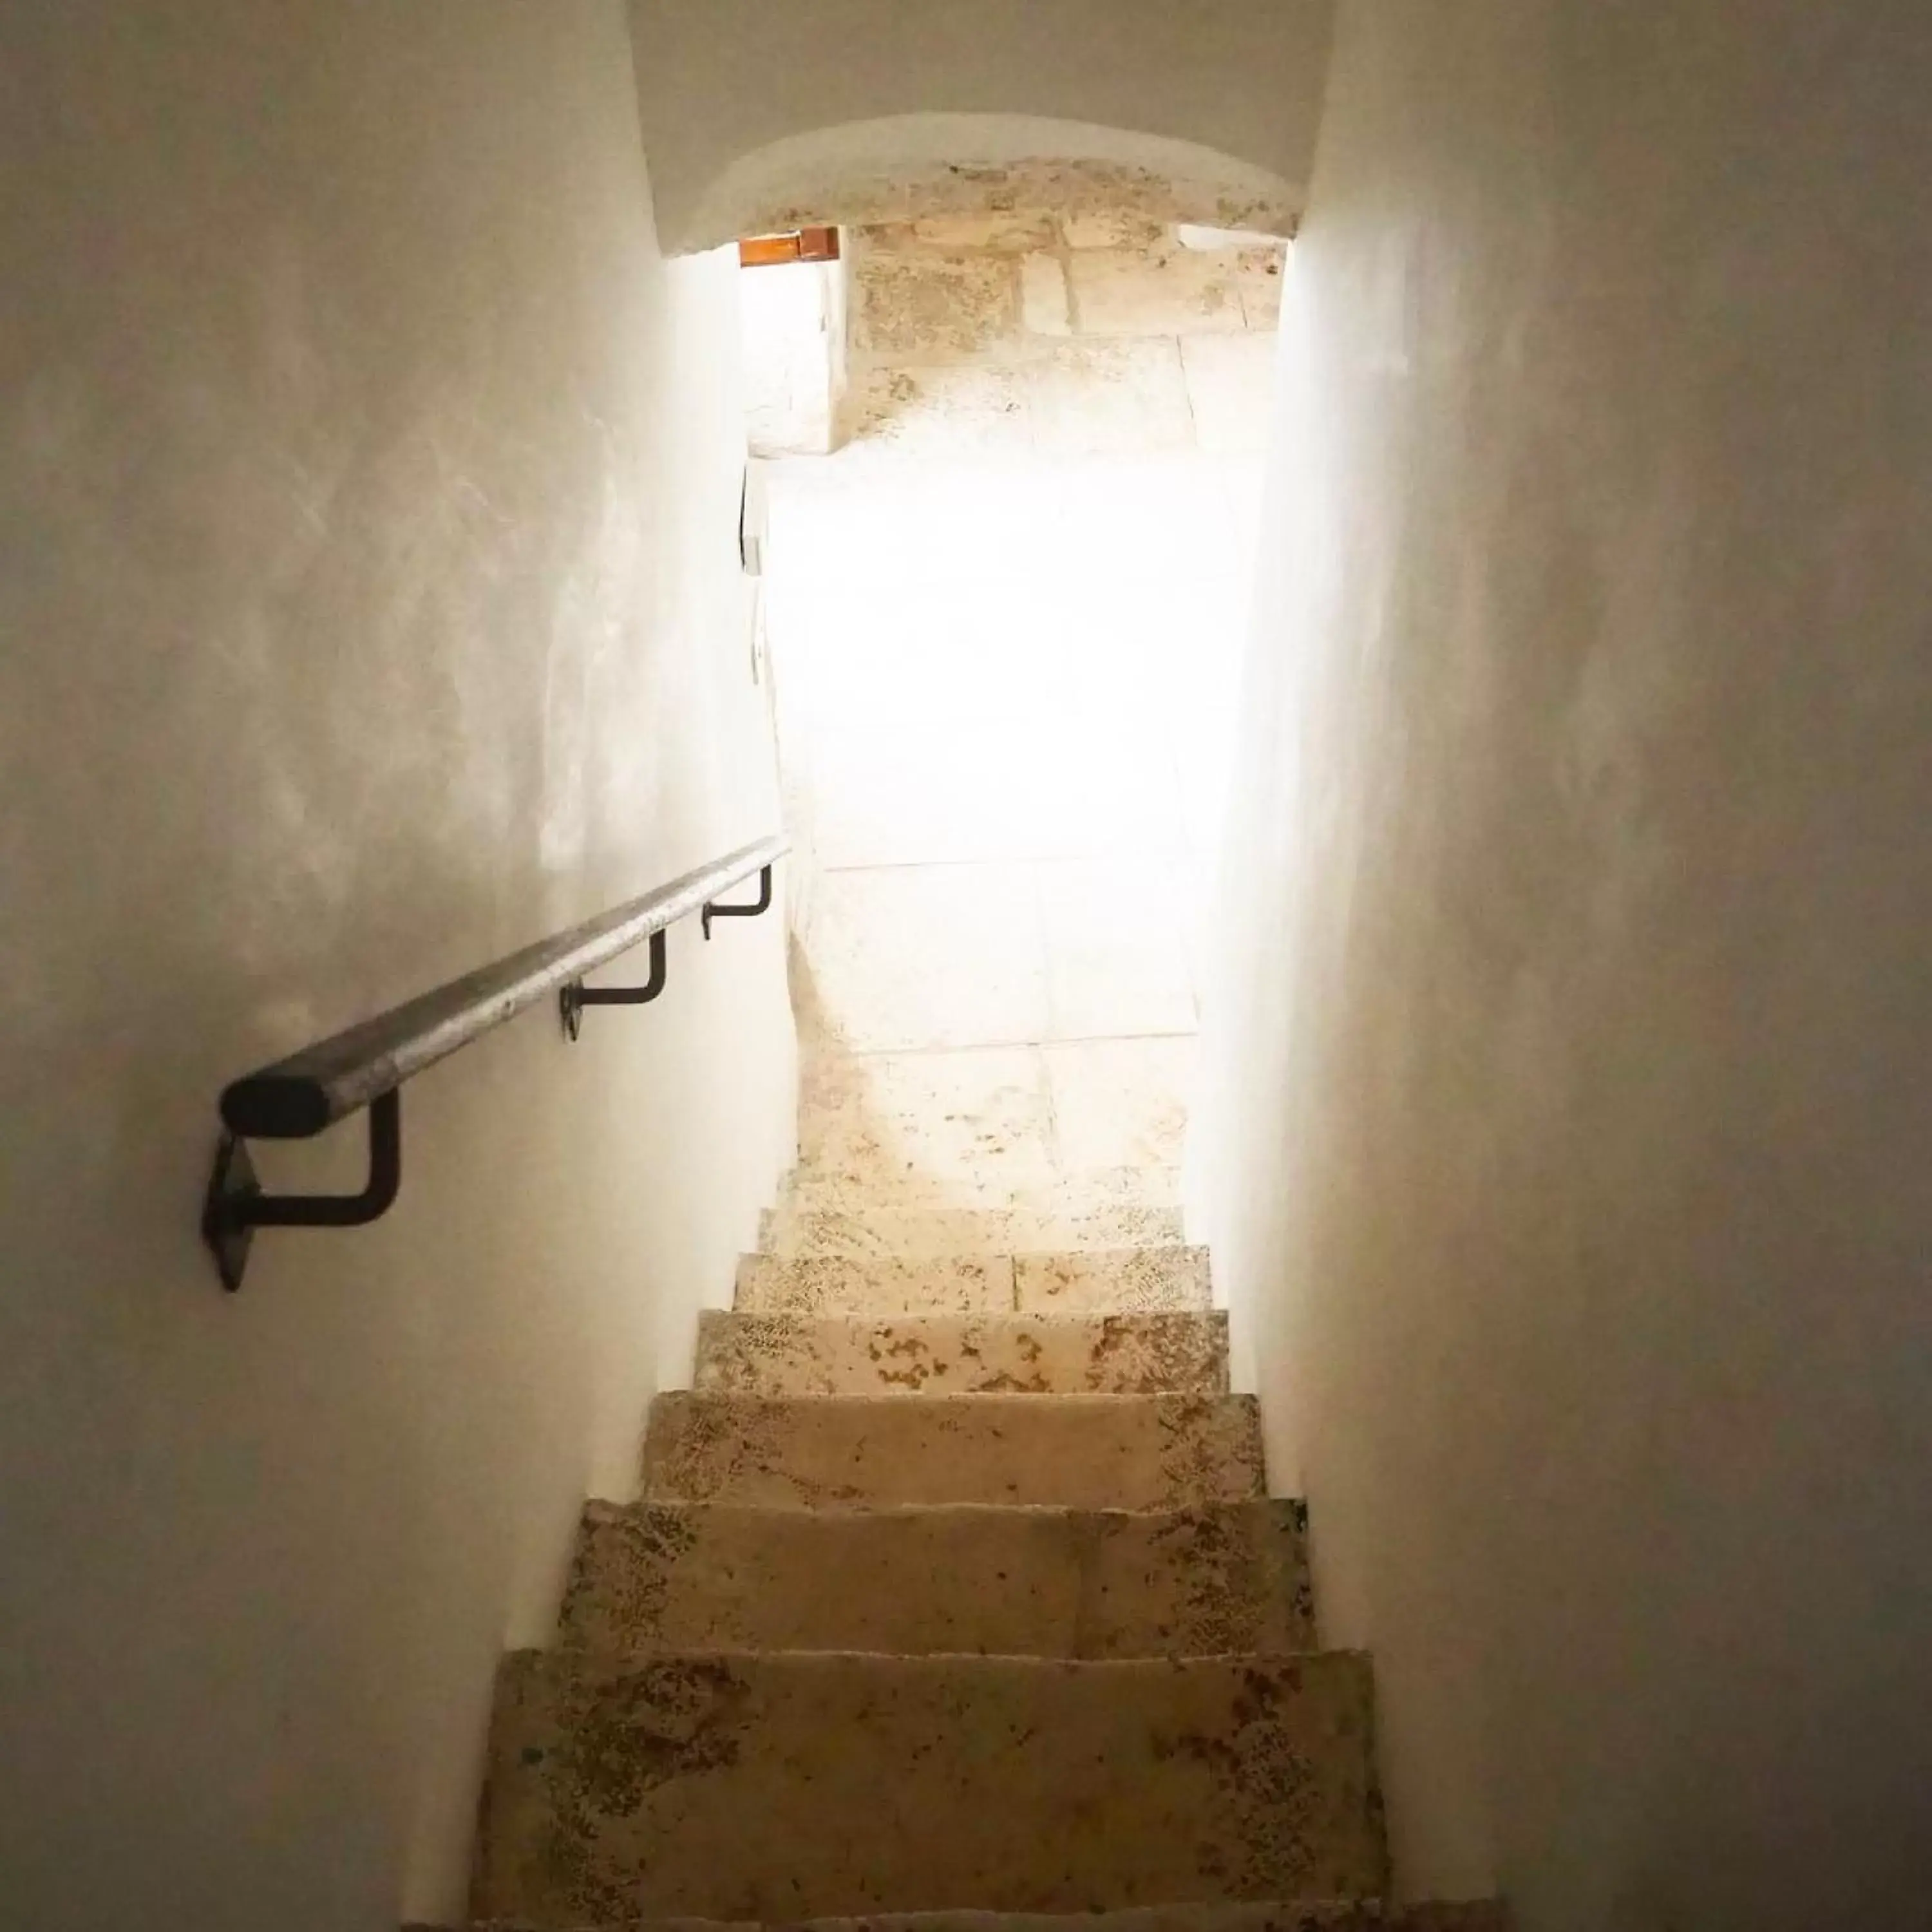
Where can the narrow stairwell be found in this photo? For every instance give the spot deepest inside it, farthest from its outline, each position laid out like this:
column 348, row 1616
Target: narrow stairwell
column 954, row 1590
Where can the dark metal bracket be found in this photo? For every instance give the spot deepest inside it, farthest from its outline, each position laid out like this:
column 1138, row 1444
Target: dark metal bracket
column 235, row 1206
column 763, row 904
column 572, row 1000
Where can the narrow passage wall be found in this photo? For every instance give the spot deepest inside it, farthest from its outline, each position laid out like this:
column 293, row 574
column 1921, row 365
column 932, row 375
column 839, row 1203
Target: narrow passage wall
column 1569, row 1172
column 369, row 606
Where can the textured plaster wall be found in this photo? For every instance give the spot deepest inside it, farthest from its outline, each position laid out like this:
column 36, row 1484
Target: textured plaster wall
column 767, row 112
column 369, row 606
column 1569, row 1170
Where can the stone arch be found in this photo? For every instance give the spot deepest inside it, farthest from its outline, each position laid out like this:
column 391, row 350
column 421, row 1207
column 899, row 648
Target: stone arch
column 898, row 167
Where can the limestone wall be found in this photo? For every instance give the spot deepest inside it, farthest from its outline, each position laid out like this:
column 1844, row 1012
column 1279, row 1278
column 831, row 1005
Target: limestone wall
column 1062, row 316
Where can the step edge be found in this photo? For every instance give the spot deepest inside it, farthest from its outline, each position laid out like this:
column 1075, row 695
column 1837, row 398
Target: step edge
column 569, row 1661
column 1006, row 1318
column 1288, row 1915
column 989, row 1398
column 603, row 1509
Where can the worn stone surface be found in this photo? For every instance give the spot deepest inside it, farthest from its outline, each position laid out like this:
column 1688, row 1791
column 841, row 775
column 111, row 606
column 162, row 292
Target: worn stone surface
column 1162, row 291
column 1117, row 1278
column 1087, row 1198
column 799, row 1228
column 766, row 1786
column 1086, row 191
column 924, row 1128
column 989, row 1126
column 747, row 1354
column 1485, row 1916
column 1021, row 1582
column 1044, row 308
column 873, row 1284
column 1058, row 328
column 940, row 306
column 862, row 1283
column 1080, row 1451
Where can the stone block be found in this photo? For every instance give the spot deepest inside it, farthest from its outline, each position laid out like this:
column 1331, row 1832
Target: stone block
column 944, row 410
column 1175, row 292
column 929, row 1129
column 811, row 1221
column 1044, row 307
column 1260, row 273
column 1012, row 230
column 915, row 308
column 759, row 1787
column 741, row 1354
column 1271, row 1915
column 1120, row 228
column 1116, row 1279
column 873, row 1285
column 917, row 1582
column 1069, row 1451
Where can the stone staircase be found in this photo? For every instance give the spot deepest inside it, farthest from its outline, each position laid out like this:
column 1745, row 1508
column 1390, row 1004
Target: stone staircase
column 954, row 1601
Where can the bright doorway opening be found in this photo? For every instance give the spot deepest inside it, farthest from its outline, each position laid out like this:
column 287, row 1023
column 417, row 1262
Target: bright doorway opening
column 1010, row 465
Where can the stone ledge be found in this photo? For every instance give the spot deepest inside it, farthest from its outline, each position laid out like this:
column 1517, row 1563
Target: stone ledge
column 1134, row 1279
column 1474, row 1915
column 964, row 1580
column 1078, row 1451
column 744, row 1786
column 753, row 1354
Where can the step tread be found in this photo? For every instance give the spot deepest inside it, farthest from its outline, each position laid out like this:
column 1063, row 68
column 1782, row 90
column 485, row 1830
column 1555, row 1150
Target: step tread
column 1135, row 1279
column 1471, row 1915
column 1083, row 1451
column 798, row 1227
column 961, row 1578
column 749, row 1353
column 765, row 1786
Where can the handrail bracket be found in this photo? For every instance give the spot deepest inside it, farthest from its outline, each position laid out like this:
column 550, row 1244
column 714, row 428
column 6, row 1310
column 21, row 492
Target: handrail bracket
column 235, row 1206
column 762, row 903
column 572, row 1000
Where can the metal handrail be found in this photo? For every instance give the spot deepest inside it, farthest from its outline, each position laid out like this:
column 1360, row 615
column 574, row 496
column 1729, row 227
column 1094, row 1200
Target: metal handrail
column 364, row 1065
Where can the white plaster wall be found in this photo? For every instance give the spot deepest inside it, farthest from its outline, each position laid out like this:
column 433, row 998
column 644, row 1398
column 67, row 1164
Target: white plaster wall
column 1569, row 1168
column 369, row 606
column 746, row 102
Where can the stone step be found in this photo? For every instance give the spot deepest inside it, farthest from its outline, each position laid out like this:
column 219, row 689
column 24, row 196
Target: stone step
column 1112, row 1281
column 1019, row 1582
column 1098, row 1281
column 956, row 1354
column 1075, row 1451
column 778, row 1786
column 875, row 1285
column 799, row 1228
column 1270, row 1916
column 1070, row 1193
